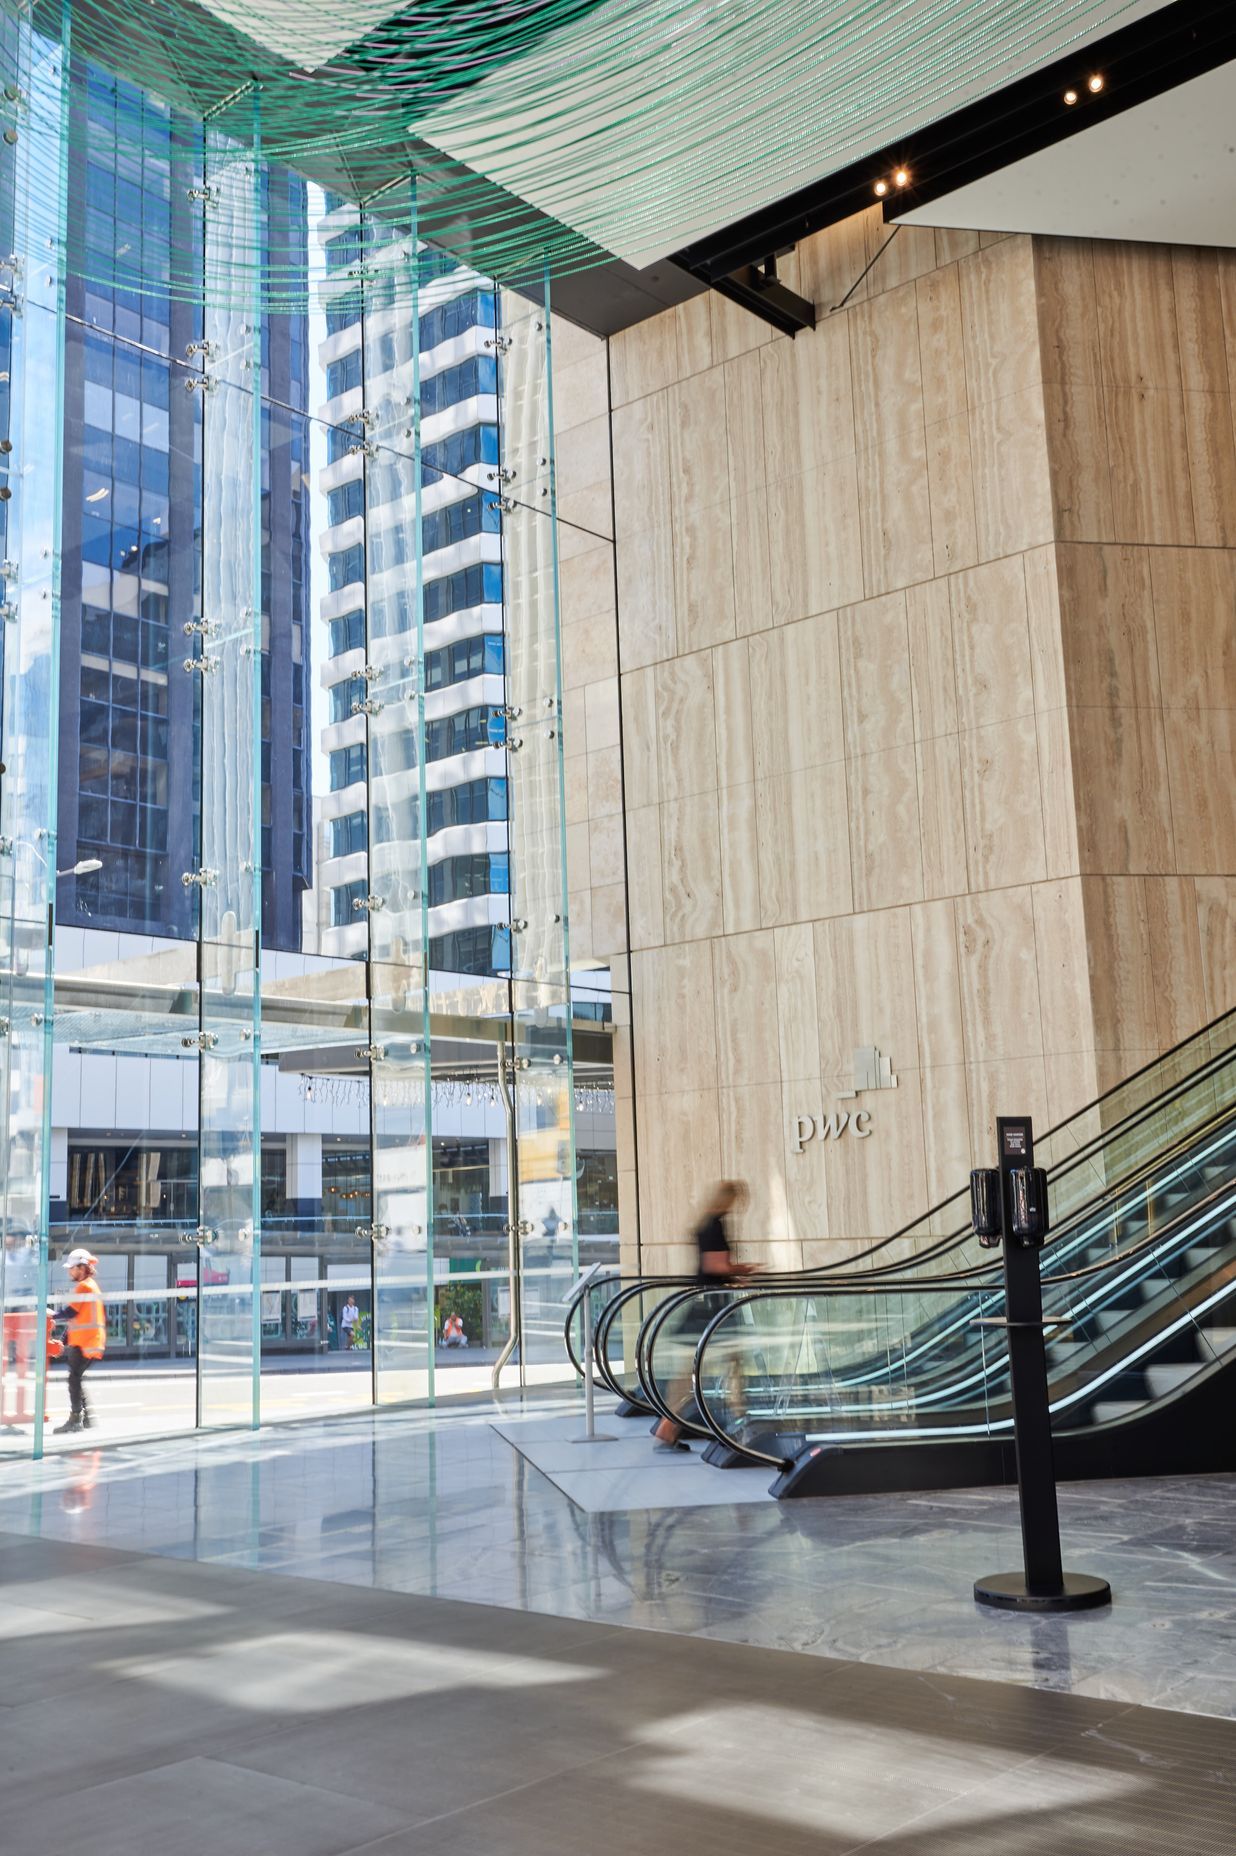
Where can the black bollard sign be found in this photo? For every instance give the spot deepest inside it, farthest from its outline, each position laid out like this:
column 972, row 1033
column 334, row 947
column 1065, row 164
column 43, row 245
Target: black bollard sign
column 1021, row 1196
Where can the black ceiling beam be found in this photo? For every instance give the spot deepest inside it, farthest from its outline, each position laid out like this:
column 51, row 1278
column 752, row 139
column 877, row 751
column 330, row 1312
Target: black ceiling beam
column 1138, row 62
column 759, row 289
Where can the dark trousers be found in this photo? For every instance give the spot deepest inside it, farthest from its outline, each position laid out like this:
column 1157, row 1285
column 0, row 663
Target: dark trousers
column 77, row 1362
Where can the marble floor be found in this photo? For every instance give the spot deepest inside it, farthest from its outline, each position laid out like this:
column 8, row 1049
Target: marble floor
column 193, row 1709
column 445, row 1505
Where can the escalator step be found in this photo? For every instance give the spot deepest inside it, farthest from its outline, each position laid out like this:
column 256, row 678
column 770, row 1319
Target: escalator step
column 1108, row 1409
column 1220, row 1340
column 1165, row 1379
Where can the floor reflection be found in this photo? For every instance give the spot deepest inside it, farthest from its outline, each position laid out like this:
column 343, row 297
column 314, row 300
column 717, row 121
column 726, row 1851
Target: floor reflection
column 440, row 1503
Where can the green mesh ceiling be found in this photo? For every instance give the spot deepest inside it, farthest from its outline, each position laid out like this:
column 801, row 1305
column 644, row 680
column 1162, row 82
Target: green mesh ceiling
column 541, row 132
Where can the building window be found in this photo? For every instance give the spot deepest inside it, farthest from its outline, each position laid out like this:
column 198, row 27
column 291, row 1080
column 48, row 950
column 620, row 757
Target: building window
column 347, row 633
column 472, row 950
column 479, row 873
column 475, row 376
column 480, row 585
column 344, row 374
column 345, row 502
column 349, row 834
column 343, row 695
column 473, row 515
column 341, row 900
column 346, row 568
column 347, row 766
column 476, row 802
column 459, row 734
column 471, row 657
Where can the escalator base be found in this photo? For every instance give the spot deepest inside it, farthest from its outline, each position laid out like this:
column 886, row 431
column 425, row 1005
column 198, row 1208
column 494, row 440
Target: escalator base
column 724, row 1456
column 1186, row 1433
column 628, row 1410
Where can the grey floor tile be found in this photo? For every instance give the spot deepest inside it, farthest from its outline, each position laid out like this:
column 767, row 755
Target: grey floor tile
column 196, row 1807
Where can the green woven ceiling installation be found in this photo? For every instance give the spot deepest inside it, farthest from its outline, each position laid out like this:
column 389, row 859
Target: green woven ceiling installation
column 545, row 132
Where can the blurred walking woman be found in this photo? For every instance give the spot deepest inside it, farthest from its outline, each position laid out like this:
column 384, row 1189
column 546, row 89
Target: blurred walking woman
column 716, row 1267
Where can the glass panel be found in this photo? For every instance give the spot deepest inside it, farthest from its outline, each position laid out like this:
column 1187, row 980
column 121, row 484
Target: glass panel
column 124, row 1096
column 316, row 1190
column 228, row 659
column 540, row 960
column 31, row 408
column 393, row 725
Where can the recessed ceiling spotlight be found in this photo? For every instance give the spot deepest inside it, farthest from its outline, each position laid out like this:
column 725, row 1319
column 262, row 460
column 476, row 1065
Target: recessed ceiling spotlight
column 881, row 188
column 1070, row 96
column 902, row 177
column 1095, row 84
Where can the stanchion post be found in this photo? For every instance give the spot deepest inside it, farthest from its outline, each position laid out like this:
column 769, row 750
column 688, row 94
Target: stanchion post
column 591, row 1434
column 1020, row 1193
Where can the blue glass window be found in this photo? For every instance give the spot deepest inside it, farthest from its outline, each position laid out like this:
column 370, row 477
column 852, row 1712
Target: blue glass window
column 347, row 633
column 347, row 501
column 346, row 567
column 347, row 766
column 348, row 834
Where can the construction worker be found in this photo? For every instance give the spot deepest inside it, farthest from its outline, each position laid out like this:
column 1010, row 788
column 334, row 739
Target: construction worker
column 85, row 1321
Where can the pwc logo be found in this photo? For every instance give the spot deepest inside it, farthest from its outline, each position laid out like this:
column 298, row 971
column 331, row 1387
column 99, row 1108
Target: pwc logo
column 871, row 1071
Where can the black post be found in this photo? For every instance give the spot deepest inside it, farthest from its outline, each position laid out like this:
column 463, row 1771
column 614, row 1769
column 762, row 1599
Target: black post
column 1043, row 1585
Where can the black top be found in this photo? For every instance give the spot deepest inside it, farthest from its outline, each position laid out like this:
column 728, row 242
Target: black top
column 711, row 1236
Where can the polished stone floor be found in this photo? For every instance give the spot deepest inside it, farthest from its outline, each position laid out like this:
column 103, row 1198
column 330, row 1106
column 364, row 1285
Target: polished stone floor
column 443, row 1505
column 191, row 1709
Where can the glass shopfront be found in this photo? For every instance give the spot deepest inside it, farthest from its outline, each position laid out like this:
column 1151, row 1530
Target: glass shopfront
column 288, row 1030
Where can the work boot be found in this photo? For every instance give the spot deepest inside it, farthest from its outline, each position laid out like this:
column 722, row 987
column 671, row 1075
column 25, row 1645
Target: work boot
column 87, row 1423
column 70, row 1424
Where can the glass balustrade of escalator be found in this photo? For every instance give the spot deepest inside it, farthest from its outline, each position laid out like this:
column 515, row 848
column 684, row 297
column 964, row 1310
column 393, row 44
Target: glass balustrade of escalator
column 1105, row 1196
column 779, row 1370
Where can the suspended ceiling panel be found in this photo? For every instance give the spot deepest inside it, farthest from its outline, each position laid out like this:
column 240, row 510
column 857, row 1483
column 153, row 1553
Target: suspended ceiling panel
column 1164, row 171
column 651, row 122
column 304, row 32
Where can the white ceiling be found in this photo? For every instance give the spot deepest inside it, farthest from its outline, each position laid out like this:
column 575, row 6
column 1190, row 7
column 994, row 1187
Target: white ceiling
column 1163, row 171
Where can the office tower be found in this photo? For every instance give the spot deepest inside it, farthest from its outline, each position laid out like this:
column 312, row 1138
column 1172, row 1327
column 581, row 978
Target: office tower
column 373, row 548
column 132, row 535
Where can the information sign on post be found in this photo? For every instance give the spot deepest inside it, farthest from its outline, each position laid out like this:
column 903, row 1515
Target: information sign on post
column 1015, row 1197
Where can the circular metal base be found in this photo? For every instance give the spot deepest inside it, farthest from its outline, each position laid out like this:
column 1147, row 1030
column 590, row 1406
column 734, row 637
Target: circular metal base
column 1009, row 1592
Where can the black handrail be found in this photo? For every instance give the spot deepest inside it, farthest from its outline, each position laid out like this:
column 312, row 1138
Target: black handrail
column 810, row 1282
column 1187, row 1215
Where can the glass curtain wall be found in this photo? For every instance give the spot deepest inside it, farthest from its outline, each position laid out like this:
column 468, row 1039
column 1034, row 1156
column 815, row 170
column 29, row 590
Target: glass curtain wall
column 34, row 199
column 541, row 1044
column 283, row 788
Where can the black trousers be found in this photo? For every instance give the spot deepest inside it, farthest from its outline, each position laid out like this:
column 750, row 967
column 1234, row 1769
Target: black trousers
column 77, row 1362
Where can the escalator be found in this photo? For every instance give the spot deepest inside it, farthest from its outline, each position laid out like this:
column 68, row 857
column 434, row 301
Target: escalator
column 1111, row 1140
column 894, row 1374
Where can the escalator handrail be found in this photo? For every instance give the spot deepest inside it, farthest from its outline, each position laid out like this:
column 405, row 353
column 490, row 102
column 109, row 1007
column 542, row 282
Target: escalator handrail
column 609, row 1314
column 1129, row 1186
column 578, row 1291
column 1103, row 1265
column 951, row 1240
column 857, row 1281
column 1070, row 1162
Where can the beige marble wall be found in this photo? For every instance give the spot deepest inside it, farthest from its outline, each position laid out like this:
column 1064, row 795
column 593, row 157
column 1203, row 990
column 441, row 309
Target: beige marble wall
column 925, row 633
column 1137, row 346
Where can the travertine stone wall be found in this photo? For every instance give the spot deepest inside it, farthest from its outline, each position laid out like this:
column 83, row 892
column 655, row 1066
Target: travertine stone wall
column 1138, row 346
column 925, row 630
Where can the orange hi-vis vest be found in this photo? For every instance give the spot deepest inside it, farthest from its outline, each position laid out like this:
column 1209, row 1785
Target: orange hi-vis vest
column 88, row 1328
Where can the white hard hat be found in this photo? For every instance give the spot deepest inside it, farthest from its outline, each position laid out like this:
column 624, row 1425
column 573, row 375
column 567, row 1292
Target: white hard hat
column 79, row 1257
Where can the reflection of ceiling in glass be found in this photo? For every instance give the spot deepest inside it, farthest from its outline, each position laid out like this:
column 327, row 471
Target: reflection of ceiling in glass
column 559, row 131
